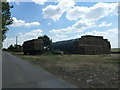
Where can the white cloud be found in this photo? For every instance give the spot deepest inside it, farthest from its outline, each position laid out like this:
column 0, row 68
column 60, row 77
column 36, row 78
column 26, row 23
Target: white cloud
column 66, row 4
column 11, row 0
column 16, row 1
column 61, row 31
column 19, row 23
column 32, row 24
column 94, row 12
column 33, row 33
column 59, row 37
column 55, row 11
column 103, row 24
column 77, row 12
column 88, row 16
column 111, row 35
column 83, row 24
column 79, row 26
column 49, row 23
column 41, row 2
column 23, row 37
column 107, row 33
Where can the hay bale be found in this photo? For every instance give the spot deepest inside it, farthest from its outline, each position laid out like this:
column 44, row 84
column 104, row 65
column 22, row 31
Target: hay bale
column 85, row 45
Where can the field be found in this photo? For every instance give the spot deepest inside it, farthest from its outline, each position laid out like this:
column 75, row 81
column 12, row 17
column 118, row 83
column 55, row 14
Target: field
column 115, row 50
column 85, row 71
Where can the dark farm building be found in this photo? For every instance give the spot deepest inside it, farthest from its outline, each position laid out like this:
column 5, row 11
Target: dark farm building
column 85, row 45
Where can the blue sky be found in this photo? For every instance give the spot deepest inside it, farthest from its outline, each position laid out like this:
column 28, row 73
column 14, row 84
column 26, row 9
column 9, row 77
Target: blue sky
column 63, row 21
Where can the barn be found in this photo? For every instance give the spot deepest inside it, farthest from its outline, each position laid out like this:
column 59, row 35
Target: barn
column 87, row 45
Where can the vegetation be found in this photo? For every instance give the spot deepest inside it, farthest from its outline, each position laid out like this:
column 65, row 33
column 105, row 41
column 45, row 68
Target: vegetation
column 6, row 18
column 14, row 48
column 85, row 71
column 47, row 42
column 18, row 48
column 115, row 50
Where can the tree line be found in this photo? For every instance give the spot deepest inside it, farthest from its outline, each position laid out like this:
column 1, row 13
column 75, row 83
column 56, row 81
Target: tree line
column 47, row 43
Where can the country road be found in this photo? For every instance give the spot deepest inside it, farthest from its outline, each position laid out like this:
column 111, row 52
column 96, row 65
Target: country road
column 18, row 73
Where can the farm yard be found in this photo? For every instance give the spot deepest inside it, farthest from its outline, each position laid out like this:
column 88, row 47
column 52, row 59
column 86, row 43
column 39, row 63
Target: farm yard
column 85, row 71
column 87, row 62
column 76, row 41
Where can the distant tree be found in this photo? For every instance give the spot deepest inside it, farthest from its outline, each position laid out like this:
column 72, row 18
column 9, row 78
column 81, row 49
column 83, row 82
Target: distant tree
column 4, row 49
column 11, row 48
column 47, row 42
column 6, row 18
column 15, row 48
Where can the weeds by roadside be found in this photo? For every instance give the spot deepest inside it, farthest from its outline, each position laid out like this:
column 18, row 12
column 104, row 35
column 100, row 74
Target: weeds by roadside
column 85, row 71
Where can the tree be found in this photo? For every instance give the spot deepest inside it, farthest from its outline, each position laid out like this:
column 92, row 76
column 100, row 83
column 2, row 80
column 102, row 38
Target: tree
column 15, row 48
column 47, row 42
column 6, row 18
column 11, row 48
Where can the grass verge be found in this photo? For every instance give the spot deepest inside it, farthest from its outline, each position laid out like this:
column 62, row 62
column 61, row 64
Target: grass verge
column 85, row 71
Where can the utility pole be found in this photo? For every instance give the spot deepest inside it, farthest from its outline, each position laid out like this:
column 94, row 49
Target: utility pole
column 16, row 40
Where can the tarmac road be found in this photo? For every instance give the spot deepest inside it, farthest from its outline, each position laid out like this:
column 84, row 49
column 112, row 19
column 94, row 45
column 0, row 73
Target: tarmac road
column 18, row 73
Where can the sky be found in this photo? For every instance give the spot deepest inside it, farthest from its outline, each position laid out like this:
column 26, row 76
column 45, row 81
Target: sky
column 63, row 21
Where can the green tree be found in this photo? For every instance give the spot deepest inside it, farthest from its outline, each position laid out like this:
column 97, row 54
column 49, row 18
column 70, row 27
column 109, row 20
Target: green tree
column 11, row 48
column 15, row 48
column 47, row 42
column 6, row 18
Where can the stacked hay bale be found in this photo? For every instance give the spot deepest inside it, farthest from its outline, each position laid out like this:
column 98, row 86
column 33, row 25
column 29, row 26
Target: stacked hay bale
column 33, row 46
column 85, row 45
column 93, row 45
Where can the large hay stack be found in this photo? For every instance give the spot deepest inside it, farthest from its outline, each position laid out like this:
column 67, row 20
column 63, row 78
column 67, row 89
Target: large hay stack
column 33, row 46
column 85, row 45
column 92, row 45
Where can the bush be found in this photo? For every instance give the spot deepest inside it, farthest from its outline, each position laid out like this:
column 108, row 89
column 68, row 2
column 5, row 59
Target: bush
column 57, row 52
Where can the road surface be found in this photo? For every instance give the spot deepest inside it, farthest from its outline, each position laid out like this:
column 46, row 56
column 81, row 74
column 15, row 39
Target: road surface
column 18, row 73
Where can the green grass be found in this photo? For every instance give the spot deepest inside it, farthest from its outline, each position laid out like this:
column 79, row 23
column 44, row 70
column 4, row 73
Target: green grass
column 115, row 50
column 101, row 59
